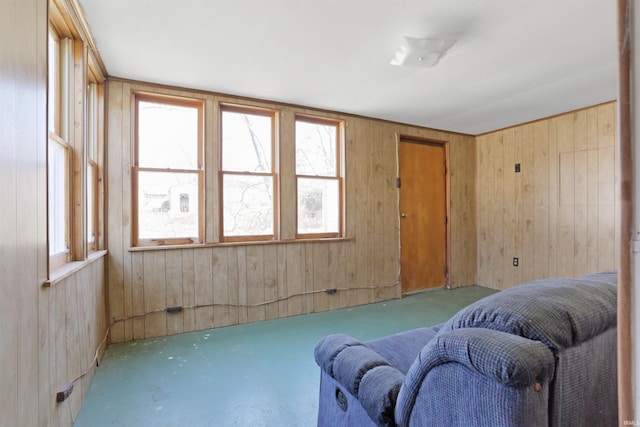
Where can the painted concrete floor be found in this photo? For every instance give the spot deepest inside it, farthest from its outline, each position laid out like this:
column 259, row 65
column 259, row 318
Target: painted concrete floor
column 259, row 374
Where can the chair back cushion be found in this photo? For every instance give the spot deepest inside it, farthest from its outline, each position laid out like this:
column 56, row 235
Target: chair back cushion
column 557, row 312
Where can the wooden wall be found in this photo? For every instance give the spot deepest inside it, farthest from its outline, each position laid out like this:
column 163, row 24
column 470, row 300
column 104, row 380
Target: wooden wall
column 48, row 335
column 73, row 323
column 240, row 279
column 558, row 215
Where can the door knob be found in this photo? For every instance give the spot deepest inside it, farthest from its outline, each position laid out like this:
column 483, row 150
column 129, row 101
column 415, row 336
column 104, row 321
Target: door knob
column 403, row 215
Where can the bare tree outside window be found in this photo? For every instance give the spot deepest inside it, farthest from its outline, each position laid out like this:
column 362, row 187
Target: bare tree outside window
column 248, row 175
column 318, row 177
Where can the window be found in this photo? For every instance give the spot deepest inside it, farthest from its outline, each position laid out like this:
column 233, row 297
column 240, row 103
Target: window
column 251, row 194
column 168, row 171
column 58, row 150
column 54, row 83
column 93, row 134
column 75, row 117
column 318, row 177
column 247, row 174
column 58, row 165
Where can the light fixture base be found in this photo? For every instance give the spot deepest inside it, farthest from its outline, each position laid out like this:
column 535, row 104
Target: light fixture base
column 421, row 52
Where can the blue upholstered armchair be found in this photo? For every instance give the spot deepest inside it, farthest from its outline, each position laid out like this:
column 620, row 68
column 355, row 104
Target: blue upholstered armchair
column 539, row 354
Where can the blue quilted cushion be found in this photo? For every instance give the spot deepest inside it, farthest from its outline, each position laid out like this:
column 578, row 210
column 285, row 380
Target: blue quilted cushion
column 504, row 360
column 557, row 312
column 364, row 373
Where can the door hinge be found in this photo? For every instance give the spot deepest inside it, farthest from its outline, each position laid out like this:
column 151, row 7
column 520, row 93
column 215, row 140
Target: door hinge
column 446, row 219
column 398, row 182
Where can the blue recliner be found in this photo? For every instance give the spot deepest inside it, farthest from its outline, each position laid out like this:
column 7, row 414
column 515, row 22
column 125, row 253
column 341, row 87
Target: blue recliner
column 539, row 354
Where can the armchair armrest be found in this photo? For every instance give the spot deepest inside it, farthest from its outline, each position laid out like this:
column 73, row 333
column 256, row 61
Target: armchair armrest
column 515, row 362
column 363, row 373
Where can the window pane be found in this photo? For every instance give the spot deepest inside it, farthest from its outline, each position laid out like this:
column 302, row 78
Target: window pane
column 161, row 212
column 92, row 121
column 315, row 149
column 246, row 142
column 57, row 199
column 91, row 211
column 53, row 102
column 167, row 136
column 318, row 206
column 248, row 205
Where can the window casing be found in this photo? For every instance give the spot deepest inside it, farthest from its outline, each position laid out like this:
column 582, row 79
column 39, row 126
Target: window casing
column 248, row 174
column 319, row 182
column 168, row 171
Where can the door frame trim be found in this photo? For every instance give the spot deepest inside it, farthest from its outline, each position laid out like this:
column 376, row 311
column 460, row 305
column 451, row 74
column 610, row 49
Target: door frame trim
column 400, row 138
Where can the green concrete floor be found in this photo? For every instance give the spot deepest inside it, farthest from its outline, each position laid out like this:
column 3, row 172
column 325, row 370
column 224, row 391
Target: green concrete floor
column 259, row 374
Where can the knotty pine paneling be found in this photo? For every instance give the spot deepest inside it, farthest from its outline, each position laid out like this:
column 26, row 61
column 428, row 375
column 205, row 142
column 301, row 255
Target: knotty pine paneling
column 558, row 215
column 49, row 334
column 229, row 284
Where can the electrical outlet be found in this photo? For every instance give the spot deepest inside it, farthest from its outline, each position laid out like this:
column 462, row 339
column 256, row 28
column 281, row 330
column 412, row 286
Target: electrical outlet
column 63, row 394
column 516, row 262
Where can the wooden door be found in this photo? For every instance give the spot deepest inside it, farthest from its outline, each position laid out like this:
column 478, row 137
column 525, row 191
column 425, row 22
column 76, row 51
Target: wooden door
column 423, row 216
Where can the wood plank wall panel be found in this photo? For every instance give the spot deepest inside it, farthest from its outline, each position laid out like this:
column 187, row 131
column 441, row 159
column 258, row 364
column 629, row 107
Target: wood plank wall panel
column 20, row 92
column 114, row 229
column 174, row 290
column 73, row 322
column 247, row 283
column 49, row 335
column 188, row 289
column 558, row 215
column 462, row 172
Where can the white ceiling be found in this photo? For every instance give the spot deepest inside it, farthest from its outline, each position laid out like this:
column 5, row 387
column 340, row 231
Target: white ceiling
column 514, row 61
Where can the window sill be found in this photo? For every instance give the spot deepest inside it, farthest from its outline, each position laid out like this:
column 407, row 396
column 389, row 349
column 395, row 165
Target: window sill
column 244, row 243
column 61, row 273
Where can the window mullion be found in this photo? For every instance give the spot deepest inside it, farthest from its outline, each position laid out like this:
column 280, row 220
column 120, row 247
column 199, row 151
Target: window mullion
column 149, row 169
column 78, row 141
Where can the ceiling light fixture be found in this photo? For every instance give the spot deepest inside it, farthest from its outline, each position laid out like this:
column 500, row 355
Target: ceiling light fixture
column 421, row 52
